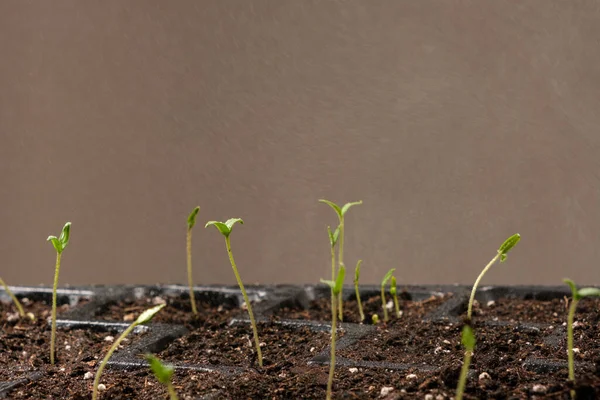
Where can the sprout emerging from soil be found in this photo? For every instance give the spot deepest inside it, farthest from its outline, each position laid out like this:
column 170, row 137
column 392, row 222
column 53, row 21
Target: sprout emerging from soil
column 60, row 244
column 501, row 254
column 225, row 229
column 393, row 292
column 577, row 295
column 384, row 282
column 341, row 212
column 14, row 298
column 356, row 278
column 144, row 318
column 163, row 373
column 375, row 319
column 191, row 221
column 336, row 289
column 468, row 341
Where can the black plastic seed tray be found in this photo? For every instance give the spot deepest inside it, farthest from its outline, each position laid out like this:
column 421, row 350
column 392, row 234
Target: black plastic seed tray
column 88, row 302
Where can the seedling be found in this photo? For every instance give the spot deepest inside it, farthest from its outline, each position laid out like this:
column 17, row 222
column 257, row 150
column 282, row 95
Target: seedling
column 384, row 282
column 468, row 341
column 60, row 244
column 336, row 289
column 393, row 292
column 375, row 319
column 144, row 318
column 356, row 278
column 163, row 373
column 501, row 254
column 14, row 298
column 577, row 295
column 191, row 221
column 341, row 212
column 225, row 229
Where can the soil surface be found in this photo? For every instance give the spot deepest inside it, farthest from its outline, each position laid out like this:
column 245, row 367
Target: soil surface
column 520, row 353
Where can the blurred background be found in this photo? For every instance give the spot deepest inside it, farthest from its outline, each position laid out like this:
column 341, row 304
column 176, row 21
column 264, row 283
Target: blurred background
column 458, row 123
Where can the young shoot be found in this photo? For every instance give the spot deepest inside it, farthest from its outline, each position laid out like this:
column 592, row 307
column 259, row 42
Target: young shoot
column 144, row 318
column 356, row 278
column 375, row 319
column 341, row 212
column 468, row 341
column 577, row 295
column 393, row 292
column 191, row 221
column 501, row 254
column 333, row 238
column 163, row 373
column 384, row 282
column 16, row 301
column 225, row 229
column 60, row 244
column 336, row 289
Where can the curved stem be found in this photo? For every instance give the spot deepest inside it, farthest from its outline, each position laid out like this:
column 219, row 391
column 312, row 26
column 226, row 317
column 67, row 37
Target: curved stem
column 360, row 308
column 248, row 305
column 14, row 298
column 333, row 338
column 470, row 308
column 172, row 393
column 107, row 357
column 397, row 306
column 189, row 270
column 462, row 381
column 570, row 320
column 341, row 263
column 384, row 305
column 54, row 288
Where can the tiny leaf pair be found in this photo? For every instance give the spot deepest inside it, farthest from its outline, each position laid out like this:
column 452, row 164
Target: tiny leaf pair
column 336, row 287
column 60, row 243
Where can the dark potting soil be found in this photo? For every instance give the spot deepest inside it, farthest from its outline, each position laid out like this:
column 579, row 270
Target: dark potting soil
column 320, row 308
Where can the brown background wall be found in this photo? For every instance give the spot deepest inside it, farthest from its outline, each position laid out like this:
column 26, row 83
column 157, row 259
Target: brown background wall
column 458, row 123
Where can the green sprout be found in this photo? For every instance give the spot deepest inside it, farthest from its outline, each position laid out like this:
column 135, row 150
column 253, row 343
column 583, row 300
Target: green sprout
column 393, row 292
column 336, row 289
column 384, row 282
column 225, row 229
column 501, row 254
column 144, row 318
column 191, row 221
column 577, row 295
column 341, row 212
column 60, row 244
column 356, row 278
column 468, row 341
column 163, row 373
column 375, row 319
column 333, row 239
column 14, row 298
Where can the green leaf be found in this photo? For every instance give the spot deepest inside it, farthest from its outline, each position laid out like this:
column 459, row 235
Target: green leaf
column 335, row 207
column 60, row 243
column 468, row 338
column 147, row 315
column 224, row 227
column 393, row 286
column 588, row 292
column 573, row 287
column 348, row 205
column 333, row 236
column 331, row 284
column 339, row 282
column 508, row 245
column 387, row 277
column 357, row 272
column 191, row 221
column 162, row 372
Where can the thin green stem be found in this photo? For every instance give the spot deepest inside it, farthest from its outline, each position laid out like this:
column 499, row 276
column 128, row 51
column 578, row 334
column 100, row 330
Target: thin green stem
column 189, row 270
column 14, row 298
column 472, row 298
column 246, row 299
column 462, row 381
column 341, row 263
column 333, row 339
column 384, row 305
column 360, row 309
column 396, row 305
column 54, row 288
column 107, row 357
column 333, row 263
column 570, row 320
column 172, row 393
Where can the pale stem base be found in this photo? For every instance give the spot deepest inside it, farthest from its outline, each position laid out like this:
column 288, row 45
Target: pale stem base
column 189, row 271
column 472, row 298
column 462, row 381
column 570, row 320
column 54, row 288
column 333, row 339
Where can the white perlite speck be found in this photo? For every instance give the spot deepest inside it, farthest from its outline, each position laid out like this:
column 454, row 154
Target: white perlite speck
column 538, row 389
column 109, row 338
column 101, row 387
column 428, row 397
column 88, row 375
column 385, row 391
column 484, row 376
column 411, row 376
column 353, row 370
